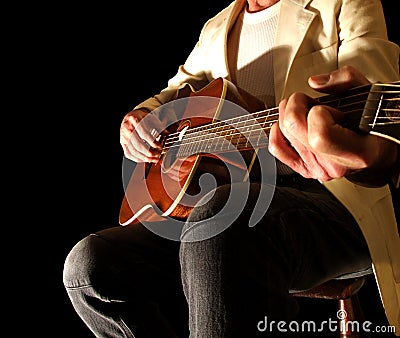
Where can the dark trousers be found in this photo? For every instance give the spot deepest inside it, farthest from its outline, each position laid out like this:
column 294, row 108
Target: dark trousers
column 131, row 282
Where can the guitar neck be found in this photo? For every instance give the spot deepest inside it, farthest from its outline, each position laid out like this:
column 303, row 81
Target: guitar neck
column 368, row 109
column 240, row 133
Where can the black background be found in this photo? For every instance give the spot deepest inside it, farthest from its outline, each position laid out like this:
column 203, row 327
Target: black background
column 100, row 61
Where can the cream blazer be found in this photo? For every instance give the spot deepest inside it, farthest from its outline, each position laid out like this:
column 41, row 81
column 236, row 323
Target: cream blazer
column 314, row 37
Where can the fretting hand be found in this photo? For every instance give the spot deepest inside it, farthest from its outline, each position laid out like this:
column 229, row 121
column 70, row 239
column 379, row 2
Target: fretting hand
column 310, row 139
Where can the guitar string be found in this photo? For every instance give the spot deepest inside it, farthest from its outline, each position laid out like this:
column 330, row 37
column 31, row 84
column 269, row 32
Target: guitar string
column 218, row 127
column 225, row 142
column 226, row 131
column 244, row 118
column 245, row 137
column 338, row 100
column 223, row 128
column 235, row 141
column 234, row 135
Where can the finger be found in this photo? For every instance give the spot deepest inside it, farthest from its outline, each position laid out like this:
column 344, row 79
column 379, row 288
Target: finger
column 279, row 147
column 327, row 136
column 136, row 156
column 141, row 150
column 134, row 146
column 132, row 157
column 148, row 129
column 293, row 118
column 338, row 80
column 127, row 124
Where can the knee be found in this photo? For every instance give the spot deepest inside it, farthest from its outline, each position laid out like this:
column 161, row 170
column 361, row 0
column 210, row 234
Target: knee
column 207, row 240
column 231, row 200
column 81, row 262
column 199, row 259
column 210, row 204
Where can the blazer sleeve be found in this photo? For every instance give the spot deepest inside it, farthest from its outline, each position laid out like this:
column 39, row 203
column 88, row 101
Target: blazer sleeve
column 363, row 41
column 205, row 62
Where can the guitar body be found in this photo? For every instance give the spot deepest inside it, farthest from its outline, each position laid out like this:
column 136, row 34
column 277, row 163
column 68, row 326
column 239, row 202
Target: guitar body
column 152, row 194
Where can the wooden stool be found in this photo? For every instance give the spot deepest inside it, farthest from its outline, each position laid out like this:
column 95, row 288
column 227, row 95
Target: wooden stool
column 345, row 292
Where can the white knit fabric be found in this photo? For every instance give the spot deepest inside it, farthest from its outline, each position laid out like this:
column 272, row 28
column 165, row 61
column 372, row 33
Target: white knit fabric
column 254, row 71
column 254, row 68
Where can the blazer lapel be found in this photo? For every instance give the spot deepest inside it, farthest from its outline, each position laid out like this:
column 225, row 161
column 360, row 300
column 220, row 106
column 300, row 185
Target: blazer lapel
column 297, row 17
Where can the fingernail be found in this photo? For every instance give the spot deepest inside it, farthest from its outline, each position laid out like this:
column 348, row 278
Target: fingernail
column 320, row 79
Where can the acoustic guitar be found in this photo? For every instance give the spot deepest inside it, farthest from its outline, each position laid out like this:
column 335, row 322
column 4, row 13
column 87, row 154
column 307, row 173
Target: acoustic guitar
column 203, row 139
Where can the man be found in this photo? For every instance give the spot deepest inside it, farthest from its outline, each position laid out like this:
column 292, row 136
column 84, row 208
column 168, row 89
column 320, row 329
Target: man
column 127, row 281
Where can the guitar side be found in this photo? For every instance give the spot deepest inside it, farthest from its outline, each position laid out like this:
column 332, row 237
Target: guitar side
column 146, row 197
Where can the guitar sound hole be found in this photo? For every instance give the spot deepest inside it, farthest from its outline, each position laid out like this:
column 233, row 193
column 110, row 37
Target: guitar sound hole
column 168, row 160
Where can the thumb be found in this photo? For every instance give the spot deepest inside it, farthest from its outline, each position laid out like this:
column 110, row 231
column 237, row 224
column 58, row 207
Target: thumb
column 338, row 81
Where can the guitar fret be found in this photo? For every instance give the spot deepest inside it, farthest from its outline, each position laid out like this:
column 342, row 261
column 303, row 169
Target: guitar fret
column 217, row 139
column 246, row 132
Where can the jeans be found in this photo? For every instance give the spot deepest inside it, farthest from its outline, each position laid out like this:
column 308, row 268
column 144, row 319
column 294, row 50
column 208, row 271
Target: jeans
column 130, row 282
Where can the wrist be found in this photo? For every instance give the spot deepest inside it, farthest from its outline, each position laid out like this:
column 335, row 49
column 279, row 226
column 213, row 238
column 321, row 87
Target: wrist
column 384, row 171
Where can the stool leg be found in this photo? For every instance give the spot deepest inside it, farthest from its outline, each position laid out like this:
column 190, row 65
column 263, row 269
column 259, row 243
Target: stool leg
column 350, row 318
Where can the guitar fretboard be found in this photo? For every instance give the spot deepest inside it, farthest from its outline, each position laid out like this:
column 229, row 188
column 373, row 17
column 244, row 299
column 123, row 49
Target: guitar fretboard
column 245, row 132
